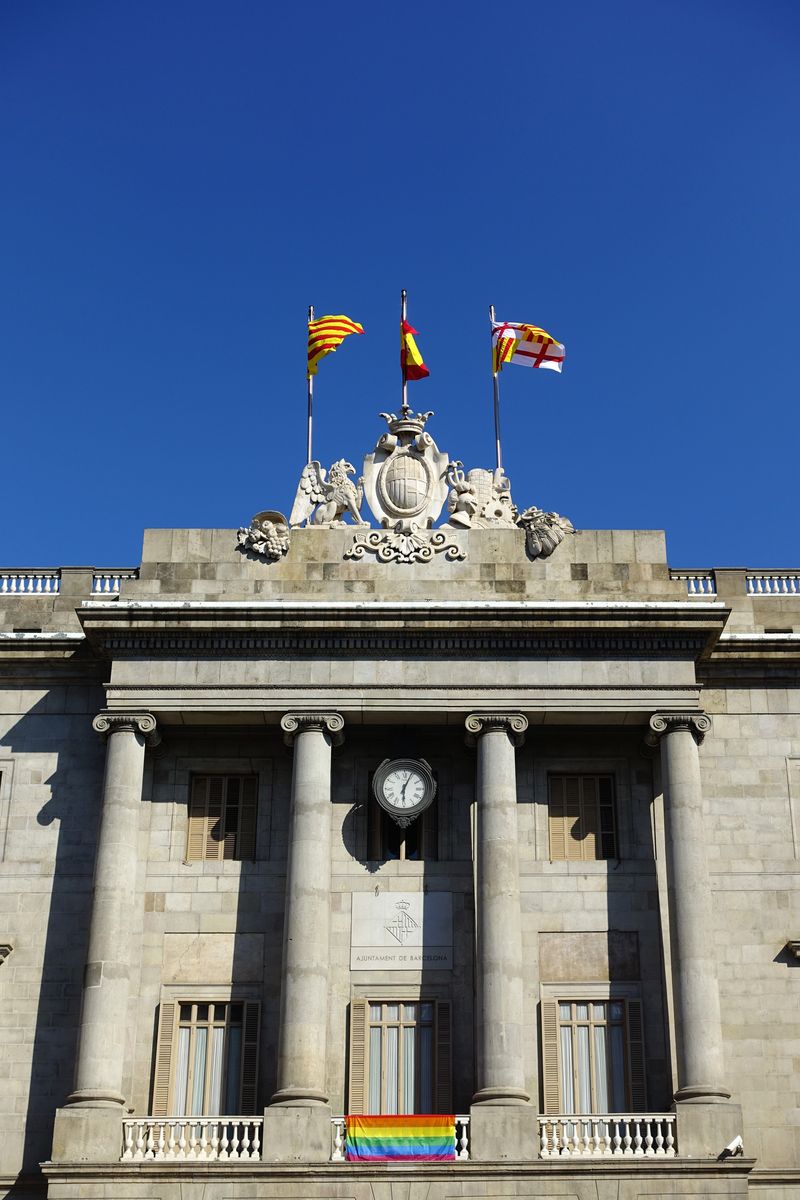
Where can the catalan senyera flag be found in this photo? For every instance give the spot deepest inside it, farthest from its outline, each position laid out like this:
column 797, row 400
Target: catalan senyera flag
column 410, row 358
column 418, row 1138
column 527, row 345
column 325, row 334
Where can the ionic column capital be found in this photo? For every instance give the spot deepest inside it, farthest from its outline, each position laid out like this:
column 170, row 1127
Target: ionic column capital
column 698, row 724
column 144, row 723
column 514, row 724
column 330, row 723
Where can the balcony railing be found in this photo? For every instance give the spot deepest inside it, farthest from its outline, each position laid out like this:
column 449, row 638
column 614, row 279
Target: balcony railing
column 698, row 583
column 460, row 1137
column 206, row 1139
column 774, row 584
column 603, row 1135
column 46, row 581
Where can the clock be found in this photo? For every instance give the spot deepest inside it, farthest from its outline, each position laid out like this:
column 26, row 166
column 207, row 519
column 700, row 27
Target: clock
column 404, row 788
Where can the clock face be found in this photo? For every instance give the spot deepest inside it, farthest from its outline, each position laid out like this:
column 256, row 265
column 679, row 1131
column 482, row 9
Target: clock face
column 404, row 787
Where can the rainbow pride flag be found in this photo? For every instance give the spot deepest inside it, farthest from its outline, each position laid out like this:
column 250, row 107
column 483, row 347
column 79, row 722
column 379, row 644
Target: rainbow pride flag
column 419, row 1138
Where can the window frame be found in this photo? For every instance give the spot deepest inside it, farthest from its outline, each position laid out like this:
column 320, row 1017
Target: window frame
column 551, row 995
column 595, row 830
column 621, row 769
column 166, row 1045
column 198, row 827
column 358, row 1056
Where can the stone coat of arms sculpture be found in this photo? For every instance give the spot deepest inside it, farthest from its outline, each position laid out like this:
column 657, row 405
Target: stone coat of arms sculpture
column 405, row 477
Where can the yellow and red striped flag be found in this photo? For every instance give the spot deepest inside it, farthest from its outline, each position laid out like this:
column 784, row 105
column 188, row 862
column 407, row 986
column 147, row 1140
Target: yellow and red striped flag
column 527, row 345
column 410, row 358
column 325, row 334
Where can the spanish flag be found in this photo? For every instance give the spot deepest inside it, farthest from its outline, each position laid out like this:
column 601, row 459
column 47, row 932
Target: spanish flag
column 410, row 358
column 325, row 335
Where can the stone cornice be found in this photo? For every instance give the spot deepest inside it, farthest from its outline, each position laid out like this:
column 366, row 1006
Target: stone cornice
column 698, row 724
column 143, row 723
column 330, row 723
column 512, row 723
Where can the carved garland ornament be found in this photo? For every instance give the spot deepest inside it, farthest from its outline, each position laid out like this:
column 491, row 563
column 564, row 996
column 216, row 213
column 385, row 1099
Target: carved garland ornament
column 406, row 544
column 267, row 535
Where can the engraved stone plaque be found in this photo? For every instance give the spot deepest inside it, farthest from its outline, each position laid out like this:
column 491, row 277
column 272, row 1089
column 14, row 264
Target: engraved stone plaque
column 401, row 931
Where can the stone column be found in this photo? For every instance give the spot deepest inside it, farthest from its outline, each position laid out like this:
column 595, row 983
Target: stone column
column 112, row 932
column 298, row 1116
column 503, row 1122
column 698, row 1024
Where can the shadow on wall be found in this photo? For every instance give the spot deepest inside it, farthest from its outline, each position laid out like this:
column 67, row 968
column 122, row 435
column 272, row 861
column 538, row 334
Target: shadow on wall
column 56, row 977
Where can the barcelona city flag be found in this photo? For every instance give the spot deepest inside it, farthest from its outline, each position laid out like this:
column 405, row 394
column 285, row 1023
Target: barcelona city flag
column 418, row 1138
column 410, row 358
column 526, row 345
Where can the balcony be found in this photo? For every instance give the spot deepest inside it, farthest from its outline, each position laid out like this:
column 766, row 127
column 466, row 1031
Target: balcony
column 240, row 1139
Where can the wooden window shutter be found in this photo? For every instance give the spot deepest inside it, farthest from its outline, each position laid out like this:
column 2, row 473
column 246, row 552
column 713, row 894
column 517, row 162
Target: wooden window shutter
column 196, row 841
column 215, row 794
column 550, row 1079
column 358, row 1056
column 444, row 1058
column 558, row 845
column 248, row 802
column 250, row 1031
column 589, row 819
column 163, row 1072
column 636, row 1057
column 572, row 816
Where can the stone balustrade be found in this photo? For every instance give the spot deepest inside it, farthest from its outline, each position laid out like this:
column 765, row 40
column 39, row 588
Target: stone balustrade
column 30, row 583
column 602, row 1135
column 698, row 583
column 208, row 1139
column 47, row 581
column 774, row 584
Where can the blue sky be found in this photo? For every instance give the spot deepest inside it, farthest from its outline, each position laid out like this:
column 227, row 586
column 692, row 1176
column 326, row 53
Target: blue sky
column 182, row 179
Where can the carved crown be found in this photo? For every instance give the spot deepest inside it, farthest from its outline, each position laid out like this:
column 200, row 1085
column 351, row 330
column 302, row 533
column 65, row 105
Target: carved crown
column 407, row 422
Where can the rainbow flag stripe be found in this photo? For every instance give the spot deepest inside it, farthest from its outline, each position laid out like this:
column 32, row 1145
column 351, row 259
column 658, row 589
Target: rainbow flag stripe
column 422, row 1138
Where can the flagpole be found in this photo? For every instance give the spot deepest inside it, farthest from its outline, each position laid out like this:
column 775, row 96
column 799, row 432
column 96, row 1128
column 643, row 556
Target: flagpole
column 310, row 394
column 496, row 396
column 405, row 409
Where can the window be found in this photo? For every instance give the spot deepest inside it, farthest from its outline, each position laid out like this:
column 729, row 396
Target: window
column 593, row 1056
column 581, row 817
column 386, row 840
column 222, row 817
column 206, row 1059
column 400, row 1056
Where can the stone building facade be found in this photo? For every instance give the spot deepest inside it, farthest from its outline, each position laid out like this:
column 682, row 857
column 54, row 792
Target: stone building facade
column 205, row 910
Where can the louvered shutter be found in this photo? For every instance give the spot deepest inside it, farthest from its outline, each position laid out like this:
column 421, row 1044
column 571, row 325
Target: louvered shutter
column 247, row 818
column 443, row 1099
column 250, row 1031
column 164, row 1043
column 558, row 846
column 215, row 795
column 636, row 1057
column 196, row 841
column 589, row 821
column 550, row 1079
column 572, row 816
column 358, row 1056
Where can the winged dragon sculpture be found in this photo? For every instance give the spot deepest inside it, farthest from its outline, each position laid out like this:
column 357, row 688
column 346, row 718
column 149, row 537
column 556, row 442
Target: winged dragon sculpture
column 324, row 502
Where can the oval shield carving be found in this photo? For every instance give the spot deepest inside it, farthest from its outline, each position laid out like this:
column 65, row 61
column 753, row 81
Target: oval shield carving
column 404, row 484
